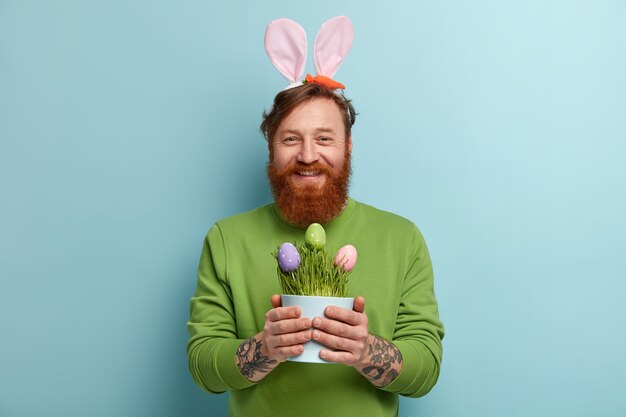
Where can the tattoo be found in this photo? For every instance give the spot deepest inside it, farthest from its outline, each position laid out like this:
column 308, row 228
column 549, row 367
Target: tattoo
column 379, row 371
column 250, row 360
column 390, row 377
column 383, row 355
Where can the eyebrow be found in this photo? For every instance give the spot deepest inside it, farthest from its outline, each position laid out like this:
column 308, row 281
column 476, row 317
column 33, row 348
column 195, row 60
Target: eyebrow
column 317, row 130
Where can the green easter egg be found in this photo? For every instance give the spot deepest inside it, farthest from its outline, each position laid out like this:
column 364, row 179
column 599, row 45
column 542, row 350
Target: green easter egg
column 315, row 236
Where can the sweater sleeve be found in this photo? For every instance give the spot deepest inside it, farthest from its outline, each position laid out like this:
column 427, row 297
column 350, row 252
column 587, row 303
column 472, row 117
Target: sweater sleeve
column 213, row 341
column 418, row 332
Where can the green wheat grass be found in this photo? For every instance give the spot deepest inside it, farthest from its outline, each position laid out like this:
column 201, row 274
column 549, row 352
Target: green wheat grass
column 316, row 275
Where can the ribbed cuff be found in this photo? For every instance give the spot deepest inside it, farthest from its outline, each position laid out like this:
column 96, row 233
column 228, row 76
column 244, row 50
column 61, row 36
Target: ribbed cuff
column 228, row 372
column 410, row 368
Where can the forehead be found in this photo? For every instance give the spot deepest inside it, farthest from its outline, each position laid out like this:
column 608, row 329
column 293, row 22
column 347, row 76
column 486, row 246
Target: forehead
column 316, row 114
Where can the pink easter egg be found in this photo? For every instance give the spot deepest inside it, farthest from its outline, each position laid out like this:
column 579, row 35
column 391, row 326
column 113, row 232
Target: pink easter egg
column 347, row 257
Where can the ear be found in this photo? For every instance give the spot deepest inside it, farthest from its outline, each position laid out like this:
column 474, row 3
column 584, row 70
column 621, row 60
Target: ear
column 285, row 44
column 349, row 141
column 332, row 44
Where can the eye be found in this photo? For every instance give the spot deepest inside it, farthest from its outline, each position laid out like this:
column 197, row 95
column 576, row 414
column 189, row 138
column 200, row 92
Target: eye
column 290, row 139
column 325, row 139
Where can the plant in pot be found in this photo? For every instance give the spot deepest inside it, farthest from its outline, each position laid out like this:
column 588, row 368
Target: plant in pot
column 313, row 280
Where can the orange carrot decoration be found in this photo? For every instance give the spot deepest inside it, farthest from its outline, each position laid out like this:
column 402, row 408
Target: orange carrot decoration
column 324, row 82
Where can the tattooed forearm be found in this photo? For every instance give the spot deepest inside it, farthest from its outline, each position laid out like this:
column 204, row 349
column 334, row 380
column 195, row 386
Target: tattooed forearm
column 391, row 375
column 384, row 362
column 252, row 363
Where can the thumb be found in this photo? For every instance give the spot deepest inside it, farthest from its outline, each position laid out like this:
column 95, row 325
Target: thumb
column 359, row 304
column 276, row 302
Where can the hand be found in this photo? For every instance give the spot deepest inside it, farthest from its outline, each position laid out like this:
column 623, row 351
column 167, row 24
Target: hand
column 344, row 330
column 283, row 335
column 284, row 332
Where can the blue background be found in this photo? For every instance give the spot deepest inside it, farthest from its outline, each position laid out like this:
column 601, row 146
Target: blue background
column 128, row 127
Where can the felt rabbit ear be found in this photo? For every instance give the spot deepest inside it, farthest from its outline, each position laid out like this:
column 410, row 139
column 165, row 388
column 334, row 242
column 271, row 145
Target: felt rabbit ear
column 285, row 44
column 332, row 44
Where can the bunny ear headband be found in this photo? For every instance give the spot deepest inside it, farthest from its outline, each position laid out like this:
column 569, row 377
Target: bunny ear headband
column 286, row 45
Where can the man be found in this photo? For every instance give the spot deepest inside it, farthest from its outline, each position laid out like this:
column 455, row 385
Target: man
column 240, row 343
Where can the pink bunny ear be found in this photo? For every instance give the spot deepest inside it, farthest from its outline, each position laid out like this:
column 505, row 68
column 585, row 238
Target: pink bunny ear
column 285, row 44
column 332, row 44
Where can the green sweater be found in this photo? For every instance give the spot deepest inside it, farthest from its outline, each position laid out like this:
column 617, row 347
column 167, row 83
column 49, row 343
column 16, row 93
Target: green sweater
column 237, row 276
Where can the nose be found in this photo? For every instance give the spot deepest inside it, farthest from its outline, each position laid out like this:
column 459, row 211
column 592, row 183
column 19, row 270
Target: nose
column 308, row 153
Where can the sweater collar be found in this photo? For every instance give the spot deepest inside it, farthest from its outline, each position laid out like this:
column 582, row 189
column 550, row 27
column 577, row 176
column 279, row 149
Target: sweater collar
column 343, row 217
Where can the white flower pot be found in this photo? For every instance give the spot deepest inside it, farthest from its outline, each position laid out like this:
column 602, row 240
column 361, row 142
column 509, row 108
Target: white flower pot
column 314, row 306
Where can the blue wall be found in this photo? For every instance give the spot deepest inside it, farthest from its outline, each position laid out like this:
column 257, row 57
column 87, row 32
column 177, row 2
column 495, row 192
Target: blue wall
column 128, row 127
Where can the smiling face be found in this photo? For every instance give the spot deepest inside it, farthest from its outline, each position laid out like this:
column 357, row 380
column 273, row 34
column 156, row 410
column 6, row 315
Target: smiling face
column 309, row 165
column 311, row 137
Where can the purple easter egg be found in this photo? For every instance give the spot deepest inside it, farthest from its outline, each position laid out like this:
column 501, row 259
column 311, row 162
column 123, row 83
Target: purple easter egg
column 288, row 257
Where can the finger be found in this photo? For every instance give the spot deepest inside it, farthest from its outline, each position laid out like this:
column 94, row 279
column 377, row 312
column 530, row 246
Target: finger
column 286, row 352
column 339, row 328
column 289, row 339
column 343, row 314
column 276, row 301
column 289, row 325
column 337, row 357
column 359, row 304
column 282, row 313
column 335, row 342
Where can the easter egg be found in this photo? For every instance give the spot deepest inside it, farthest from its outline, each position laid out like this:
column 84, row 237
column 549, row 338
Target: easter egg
column 288, row 257
column 346, row 256
column 315, row 236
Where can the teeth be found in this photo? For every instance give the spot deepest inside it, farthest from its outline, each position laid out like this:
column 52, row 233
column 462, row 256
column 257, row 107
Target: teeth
column 308, row 173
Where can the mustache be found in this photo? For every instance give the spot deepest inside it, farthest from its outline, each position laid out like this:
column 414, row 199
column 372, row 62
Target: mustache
column 299, row 166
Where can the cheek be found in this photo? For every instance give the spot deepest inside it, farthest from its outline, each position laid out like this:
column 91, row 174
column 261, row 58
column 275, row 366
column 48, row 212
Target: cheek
column 280, row 157
column 335, row 158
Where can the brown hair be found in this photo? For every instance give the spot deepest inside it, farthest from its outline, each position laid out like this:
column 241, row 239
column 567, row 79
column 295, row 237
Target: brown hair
column 286, row 101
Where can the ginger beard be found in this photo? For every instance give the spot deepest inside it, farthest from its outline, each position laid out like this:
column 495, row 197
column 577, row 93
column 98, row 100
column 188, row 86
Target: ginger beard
column 303, row 204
